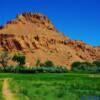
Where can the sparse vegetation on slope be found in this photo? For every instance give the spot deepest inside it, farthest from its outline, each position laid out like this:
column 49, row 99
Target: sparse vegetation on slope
column 46, row 67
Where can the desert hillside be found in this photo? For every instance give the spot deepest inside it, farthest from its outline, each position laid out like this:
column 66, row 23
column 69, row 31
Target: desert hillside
column 34, row 35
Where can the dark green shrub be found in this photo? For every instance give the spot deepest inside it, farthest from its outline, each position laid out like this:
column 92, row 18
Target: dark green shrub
column 1, row 69
column 97, row 63
column 88, row 67
column 20, row 59
column 8, row 69
column 84, row 67
column 76, row 66
column 48, row 64
column 22, row 69
column 47, row 67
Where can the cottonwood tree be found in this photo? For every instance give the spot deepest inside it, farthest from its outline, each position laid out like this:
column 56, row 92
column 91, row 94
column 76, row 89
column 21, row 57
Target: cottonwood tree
column 4, row 58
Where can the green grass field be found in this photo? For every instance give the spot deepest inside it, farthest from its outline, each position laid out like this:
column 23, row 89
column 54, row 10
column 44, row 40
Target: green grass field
column 62, row 86
column 1, row 83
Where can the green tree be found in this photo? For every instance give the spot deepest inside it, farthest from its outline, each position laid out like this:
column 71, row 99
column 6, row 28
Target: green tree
column 88, row 67
column 84, row 67
column 97, row 63
column 4, row 58
column 48, row 64
column 20, row 58
column 75, row 65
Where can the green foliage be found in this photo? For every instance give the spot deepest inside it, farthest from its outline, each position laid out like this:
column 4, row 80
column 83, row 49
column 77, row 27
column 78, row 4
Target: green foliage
column 4, row 58
column 76, row 66
column 47, row 67
column 20, row 59
column 48, row 63
column 97, row 63
column 41, row 69
column 85, row 67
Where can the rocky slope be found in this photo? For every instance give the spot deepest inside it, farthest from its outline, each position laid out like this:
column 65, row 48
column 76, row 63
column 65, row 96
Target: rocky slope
column 36, row 37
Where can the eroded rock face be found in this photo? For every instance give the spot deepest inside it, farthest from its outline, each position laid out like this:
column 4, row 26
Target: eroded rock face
column 97, row 52
column 30, row 18
column 37, row 38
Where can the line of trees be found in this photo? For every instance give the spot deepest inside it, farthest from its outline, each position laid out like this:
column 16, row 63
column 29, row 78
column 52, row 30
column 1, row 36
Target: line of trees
column 5, row 57
column 93, row 67
column 47, row 66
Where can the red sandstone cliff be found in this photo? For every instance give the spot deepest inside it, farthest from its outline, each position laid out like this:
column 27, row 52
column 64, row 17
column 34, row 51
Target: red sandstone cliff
column 36, row 37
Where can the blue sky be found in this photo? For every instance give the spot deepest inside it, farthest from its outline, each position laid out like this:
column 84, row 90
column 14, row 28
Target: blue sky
column 78, row 19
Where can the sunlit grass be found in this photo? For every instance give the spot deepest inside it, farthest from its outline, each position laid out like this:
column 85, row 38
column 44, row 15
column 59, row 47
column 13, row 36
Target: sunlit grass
column 1, row 84
column 69, row 86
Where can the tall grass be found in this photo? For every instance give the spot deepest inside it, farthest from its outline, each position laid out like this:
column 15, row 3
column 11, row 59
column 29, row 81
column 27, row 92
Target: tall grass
column 1, row 85
column 56, row 87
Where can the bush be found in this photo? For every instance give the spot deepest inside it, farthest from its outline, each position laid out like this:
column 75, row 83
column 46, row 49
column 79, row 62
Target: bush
column 76, row 66
column 84, row 67
column 88, row 67
column 47, row 67
column 48, row 63
column 43, row 69
column 97, row 63
column 20, row 59
column 21, row 69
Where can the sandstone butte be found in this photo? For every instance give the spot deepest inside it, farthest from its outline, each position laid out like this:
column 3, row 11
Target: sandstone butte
column 35, row 36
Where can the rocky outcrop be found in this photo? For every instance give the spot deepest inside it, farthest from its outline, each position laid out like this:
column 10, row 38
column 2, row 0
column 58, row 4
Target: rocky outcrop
column 37, row 38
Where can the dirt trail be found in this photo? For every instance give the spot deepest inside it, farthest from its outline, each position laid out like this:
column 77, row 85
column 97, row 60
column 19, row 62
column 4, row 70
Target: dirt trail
column 6, row 91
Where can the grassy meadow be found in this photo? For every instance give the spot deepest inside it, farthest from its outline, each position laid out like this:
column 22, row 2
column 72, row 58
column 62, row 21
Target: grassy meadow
column 46, row 86
column 1, row 83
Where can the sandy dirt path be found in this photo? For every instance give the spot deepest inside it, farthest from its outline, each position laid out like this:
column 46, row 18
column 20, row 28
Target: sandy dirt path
column 6, row 91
